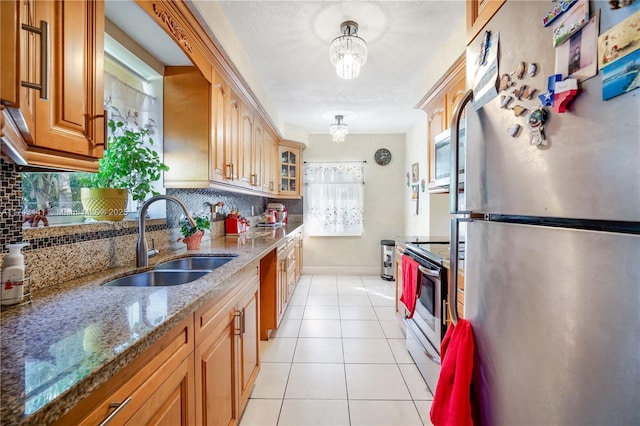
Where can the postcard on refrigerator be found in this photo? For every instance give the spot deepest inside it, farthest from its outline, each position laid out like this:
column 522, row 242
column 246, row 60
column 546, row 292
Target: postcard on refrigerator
column 619, row 41
column 577, row 58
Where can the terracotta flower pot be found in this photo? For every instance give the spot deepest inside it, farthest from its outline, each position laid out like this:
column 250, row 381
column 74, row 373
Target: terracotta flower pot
column 193, row 241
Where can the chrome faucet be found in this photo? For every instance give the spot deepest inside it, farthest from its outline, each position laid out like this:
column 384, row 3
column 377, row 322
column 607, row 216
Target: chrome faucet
column 142, row 250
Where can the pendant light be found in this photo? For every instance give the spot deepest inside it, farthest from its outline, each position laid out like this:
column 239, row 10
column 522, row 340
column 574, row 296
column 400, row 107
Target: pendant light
column 338, row 130
column 348, row 52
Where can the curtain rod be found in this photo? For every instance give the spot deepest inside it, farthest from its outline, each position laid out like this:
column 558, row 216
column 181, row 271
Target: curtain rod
column 344, row 161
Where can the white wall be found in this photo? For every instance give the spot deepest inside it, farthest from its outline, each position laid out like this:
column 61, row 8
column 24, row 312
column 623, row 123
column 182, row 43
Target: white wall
column 383, row 204
column 433, row 216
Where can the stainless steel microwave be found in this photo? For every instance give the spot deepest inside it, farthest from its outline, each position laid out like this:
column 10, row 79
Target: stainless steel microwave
column 443, row 160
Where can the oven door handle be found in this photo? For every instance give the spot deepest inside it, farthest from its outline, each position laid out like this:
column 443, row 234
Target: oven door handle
column 429, row 272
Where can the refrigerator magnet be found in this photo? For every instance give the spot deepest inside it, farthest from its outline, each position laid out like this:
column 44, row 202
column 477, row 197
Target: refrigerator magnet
column 513, row 130
column 505, row 100
column 535, row 121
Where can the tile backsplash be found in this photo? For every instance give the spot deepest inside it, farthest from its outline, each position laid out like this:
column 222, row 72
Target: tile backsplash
column 10, row 204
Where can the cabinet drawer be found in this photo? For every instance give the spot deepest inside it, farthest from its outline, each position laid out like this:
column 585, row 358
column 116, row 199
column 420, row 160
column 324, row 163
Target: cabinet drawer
column 212, row 315
column 132, row 387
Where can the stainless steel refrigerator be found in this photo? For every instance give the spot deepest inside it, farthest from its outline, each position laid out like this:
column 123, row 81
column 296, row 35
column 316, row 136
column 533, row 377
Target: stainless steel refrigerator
column 552, row 251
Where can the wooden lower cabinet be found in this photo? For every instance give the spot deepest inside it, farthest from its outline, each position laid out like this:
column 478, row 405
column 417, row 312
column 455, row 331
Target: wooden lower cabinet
column 226, row 353
column 200, row 373
column 155, row 388
column 280, row 272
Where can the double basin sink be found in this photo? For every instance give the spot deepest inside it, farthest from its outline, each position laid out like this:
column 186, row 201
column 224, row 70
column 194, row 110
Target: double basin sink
column 173, row 272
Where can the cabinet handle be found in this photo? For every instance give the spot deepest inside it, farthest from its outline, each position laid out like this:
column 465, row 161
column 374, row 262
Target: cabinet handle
column 271, row 186
column 43, row 87
column 238, row 329
column 119, row 406
column 230, row 170
column 244, row 328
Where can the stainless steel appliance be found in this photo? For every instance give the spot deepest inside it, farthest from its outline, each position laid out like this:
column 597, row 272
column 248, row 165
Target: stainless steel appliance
column 425, row 329
column 443, row 158
column 552, row 268
column 387, row 269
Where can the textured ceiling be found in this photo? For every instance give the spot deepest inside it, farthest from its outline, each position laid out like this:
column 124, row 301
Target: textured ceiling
column 287, row 46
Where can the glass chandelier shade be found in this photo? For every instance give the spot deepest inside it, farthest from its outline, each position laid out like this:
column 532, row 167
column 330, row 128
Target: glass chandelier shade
column 338, row 130
column 348, row 52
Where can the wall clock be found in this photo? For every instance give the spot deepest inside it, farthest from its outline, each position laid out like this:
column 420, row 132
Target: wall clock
column 382, row 156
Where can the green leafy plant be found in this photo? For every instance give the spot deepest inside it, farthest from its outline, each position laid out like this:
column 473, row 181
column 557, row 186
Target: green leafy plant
column 202, row 223
column 128, row 163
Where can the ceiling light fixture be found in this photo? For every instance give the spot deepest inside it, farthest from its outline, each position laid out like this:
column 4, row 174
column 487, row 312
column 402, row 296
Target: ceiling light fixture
column 348, row 52
column 338, row 129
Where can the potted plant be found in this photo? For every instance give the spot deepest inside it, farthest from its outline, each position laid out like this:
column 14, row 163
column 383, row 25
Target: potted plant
column 192, row 235
column 128, row 166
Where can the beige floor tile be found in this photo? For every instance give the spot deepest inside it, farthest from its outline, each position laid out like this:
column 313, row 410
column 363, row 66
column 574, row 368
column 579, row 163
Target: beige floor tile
column 348, row 278
column 272, row 380
column 302, row 412
column 277, row 349
column 424, row 407
column 381, row 290
column 316, row 381
column 321, row 350
column 304, row 279
column 320, row 328
column 365, row 351
column 416, row 384
column 393, row 329
column 288, row 328
column 350, row 283
column 386, row 313
column 376, row 381
column 298, row 299
column 359, row 329
column 354, row 290
column 323, row 279
column 357, row 313
column 261, row 412
column 321, row 312
column 322, row 300
column 387, row 413
column 347, row 300
column 400, row 352
column 324, row 289
column 303, row 290
column 380, row 300
column 294, row 312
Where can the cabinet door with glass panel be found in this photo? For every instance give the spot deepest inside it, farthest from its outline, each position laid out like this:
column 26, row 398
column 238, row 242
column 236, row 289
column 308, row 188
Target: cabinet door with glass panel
column 290, row 169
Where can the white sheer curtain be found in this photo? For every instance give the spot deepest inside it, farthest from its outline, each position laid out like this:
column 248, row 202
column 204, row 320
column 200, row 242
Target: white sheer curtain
column 137, row 110
column 334, row 198
column 131, row 106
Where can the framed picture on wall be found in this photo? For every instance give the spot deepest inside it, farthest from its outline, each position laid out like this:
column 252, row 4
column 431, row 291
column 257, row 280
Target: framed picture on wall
column 415, row 198
column 415, row 173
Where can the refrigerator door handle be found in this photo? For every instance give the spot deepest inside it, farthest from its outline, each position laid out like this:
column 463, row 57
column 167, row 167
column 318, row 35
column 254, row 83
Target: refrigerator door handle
column 453, row 264
column 454, row 149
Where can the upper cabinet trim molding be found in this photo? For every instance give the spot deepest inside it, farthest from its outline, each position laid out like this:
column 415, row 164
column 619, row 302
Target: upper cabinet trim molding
column 447, row 78
column 184, row 26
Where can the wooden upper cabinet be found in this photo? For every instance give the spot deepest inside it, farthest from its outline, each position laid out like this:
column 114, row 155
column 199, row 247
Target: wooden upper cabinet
column 290, row 164
column 439, row 104
column 479, row 12
column 245, row 139
column 436, row 124
column 219, row 128
column 257, row 148
column 269, row 163
column 186, row 127
column 63, row 124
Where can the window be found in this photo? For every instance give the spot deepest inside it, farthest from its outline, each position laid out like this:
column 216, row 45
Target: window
column 129, row 97
column 334, row 198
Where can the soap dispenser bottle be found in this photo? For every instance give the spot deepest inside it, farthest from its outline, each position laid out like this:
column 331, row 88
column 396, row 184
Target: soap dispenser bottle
column 12, row 280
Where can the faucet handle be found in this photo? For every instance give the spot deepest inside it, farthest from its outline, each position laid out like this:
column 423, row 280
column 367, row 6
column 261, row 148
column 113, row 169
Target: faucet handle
column 153, row 250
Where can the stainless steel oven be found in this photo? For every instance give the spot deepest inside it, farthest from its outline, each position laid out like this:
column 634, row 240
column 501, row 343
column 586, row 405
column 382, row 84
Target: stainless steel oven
column 426, row 328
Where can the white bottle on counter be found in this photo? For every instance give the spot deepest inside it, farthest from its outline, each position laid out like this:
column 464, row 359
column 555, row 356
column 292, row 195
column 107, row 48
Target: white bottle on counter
column 13, row 275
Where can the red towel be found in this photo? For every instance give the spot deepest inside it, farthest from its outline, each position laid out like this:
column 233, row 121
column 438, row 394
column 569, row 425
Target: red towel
column 409, row 283
column 452, row 401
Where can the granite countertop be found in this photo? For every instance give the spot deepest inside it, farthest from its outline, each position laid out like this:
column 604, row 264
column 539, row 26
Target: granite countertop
column 74, row 337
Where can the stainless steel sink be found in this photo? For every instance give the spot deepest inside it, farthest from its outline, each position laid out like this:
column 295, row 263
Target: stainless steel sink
column 196, row 262
column 158, row 278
